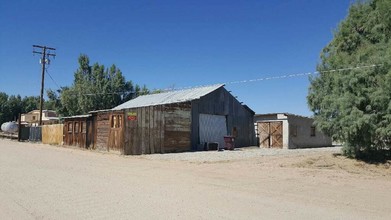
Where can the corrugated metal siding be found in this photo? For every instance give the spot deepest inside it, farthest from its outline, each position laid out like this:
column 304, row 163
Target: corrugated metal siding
column 35, row 134
column 213, row 128
column 179, row 96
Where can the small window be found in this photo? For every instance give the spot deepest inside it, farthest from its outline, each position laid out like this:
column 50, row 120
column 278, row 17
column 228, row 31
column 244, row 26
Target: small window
column 120, row 121
column 70, row 127
column 33, row 118
column 116, row 121
column 313, row 131
column 113, row 121
column 76, row 127
column 83, row 127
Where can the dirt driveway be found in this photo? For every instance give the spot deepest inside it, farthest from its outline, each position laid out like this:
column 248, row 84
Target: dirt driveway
column 47, row 182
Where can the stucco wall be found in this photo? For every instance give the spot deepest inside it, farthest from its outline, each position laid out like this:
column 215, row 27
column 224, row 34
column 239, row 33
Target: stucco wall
column 296, row 131
column 303, row 138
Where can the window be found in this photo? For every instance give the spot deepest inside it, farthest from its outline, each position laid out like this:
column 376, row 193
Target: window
column 116, row 121
column 76, row 127
column 313, row 131
column 70, row 127
column 83, row 128
column 33, row 118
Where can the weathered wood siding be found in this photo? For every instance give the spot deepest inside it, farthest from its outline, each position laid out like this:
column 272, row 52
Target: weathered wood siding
column 177, row 127
column 53, row 134
column 116, row 132
column 76, row 132
column 221, row 102
column 102, row 131
column 157, row 129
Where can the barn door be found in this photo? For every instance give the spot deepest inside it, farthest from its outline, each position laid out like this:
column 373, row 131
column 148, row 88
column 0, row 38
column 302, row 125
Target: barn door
column 276, row 134
column 264, row 134
column 116, row 133
column 270, row 134
column 212, row 128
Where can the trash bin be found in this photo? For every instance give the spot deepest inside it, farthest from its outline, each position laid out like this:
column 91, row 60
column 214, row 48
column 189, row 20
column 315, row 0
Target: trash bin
column 229, row 142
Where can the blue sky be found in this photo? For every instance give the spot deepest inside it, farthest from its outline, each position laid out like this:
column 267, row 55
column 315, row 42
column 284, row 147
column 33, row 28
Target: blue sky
column 173, row 43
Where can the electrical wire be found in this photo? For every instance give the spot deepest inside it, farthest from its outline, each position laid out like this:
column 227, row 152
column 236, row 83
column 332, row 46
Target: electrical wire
column 47, row 72
column 283, row 76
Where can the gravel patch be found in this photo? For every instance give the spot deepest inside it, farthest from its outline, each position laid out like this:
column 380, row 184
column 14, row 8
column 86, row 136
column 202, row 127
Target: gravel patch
column 237, row 154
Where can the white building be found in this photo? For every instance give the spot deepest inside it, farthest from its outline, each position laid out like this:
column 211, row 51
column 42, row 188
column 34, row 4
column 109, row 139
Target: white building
column 32, row 118
column 288, row 131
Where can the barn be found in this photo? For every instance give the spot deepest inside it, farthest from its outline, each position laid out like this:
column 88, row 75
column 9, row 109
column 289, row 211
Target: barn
column 289, row 131
column 95, row 131
column 179, row 121
column 175, row 121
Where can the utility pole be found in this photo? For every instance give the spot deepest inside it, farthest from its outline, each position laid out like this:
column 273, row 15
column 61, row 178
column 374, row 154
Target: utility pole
column 46, row 53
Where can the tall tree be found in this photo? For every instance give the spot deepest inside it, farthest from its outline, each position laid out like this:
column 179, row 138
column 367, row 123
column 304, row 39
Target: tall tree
column 354, row 106
column 94, row 88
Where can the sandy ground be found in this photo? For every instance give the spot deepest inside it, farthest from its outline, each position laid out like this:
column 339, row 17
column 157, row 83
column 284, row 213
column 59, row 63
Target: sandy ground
column 47, row 182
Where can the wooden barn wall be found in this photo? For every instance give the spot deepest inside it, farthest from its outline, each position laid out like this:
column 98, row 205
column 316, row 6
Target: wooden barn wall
column 53, row 134
column 79, row 135
column 102, row 131
column 177, row 127
column 157, row 129
column 221, row 102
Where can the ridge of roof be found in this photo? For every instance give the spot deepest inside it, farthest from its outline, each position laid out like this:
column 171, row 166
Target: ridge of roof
column 169, row 97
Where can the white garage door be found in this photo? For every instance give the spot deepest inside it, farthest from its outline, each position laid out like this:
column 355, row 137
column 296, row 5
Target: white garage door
column 213, row 128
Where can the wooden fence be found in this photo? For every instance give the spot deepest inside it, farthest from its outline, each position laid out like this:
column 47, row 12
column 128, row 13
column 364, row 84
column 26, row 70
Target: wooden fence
column 52, row 134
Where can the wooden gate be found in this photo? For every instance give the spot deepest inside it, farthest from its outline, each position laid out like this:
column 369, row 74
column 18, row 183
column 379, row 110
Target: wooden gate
column 76, row 133
column 270, row 134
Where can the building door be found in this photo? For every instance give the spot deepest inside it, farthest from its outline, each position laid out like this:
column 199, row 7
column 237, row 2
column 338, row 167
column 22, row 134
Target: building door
column 270, row 134
column 212, row 128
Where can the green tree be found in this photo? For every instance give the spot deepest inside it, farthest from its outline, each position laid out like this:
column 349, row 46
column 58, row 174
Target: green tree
column 4, row 111
column 94, row 88
column 30, row 103
column 354, row 106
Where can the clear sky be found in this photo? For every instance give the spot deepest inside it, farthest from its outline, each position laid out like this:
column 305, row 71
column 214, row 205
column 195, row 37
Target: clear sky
column 176, row 43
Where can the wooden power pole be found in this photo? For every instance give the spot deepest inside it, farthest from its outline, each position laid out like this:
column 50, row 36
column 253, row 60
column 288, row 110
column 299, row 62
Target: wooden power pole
column 46, row 53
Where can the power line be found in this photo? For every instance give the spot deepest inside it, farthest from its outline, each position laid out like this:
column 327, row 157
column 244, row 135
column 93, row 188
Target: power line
column 284, row 76
column 59, row 87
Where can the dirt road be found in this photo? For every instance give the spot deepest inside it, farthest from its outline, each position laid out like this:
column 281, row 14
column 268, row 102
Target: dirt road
column 46, row 182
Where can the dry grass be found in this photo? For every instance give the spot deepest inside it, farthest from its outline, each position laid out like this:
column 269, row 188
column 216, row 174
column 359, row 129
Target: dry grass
column 339, row 162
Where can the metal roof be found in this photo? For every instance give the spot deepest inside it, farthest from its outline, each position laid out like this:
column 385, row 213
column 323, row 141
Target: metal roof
column 76, row 116
column 169, row 97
